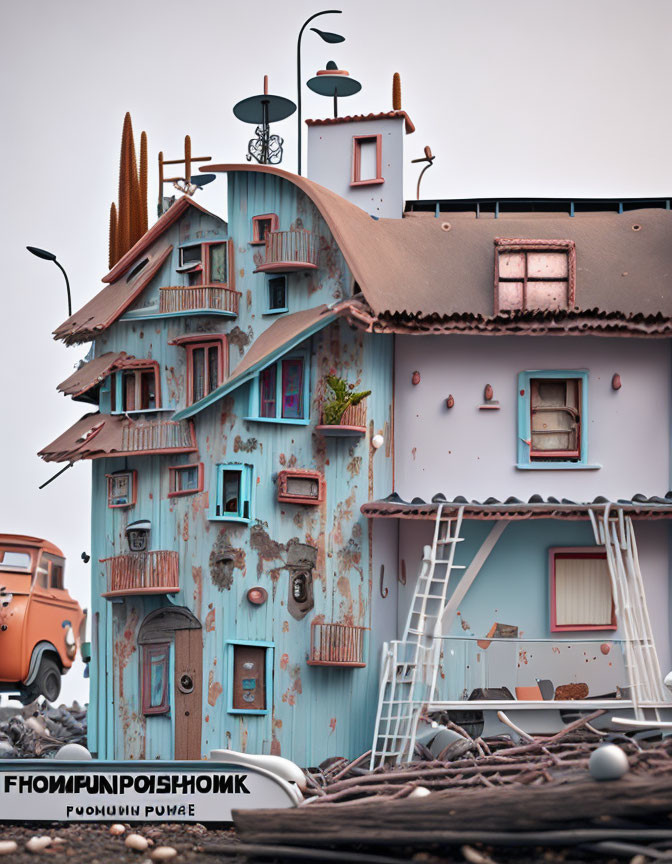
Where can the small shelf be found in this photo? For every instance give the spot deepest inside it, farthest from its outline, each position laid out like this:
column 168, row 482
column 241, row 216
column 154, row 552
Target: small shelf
column 335, row 663
column 340, row 431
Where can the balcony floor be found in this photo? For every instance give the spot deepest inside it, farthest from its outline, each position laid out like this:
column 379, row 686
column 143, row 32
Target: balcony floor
column 285, row 267
column 126, row 592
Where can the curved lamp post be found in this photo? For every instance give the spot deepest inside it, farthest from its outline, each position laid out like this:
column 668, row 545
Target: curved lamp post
column 49, row 256
column 326, row 37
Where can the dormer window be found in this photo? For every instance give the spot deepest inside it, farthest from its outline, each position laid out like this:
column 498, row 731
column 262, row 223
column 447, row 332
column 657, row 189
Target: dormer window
column 262, row 226
column 136, row 388
column 367, row 160
column 204, row 263
column 534, row 274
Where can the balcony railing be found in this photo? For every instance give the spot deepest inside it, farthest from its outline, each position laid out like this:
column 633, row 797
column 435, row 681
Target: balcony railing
column 336, row 645
column 142, row 573
column 287, row 251
column 353, row 422
column 157, row 436
column 211, row 298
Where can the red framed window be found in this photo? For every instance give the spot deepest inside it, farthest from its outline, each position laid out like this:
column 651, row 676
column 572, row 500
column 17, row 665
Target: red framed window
column 136, row 387
column 292, row 388
column 205, row 263
column 122, row 488
column 185, row 479
column 263, row 225
column 155, row 678
column 367, row 160
column 267, row 386
column 555, row 421
column 300, row 487
column 580, row 589
column 206, row 367
column 534, row 274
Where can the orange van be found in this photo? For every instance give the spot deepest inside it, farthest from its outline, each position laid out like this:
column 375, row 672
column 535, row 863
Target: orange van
column 41, row 626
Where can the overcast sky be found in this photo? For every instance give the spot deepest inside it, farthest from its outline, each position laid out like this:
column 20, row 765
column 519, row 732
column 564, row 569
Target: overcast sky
column 524, row 97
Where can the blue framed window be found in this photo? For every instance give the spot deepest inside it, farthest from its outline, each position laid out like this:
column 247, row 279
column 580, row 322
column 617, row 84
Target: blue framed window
column 276, row 294
column 553, row 420
column 234, row 493
column 250, row 676
column 280, row 393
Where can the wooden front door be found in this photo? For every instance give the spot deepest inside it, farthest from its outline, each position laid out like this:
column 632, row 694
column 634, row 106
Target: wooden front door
column 188, row 693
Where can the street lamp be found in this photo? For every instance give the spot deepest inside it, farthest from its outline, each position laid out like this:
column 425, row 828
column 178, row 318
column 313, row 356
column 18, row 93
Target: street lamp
column 331, row 38
column 49, row 256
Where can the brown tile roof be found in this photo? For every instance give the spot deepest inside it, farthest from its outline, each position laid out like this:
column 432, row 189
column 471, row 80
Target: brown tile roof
column 414, row 266
column 360, row 118
column 108, row 304
column 90, row 374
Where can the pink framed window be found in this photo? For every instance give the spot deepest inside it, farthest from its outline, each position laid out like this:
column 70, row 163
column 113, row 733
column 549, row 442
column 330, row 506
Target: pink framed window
column 292, row 388
column 263, row 225
column 301, row 487
column 534, row 274
column 185, row 479
column 122, row 488
column 206, row 367
column 367, row 160
column 155, row 675
column 267, row 386
column 580, row 589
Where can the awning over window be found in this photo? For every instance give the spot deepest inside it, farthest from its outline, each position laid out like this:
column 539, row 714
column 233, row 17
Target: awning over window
column 91, row 374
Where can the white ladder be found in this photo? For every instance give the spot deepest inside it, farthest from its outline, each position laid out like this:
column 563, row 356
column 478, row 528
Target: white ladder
column 410, row 666
column 617, row 535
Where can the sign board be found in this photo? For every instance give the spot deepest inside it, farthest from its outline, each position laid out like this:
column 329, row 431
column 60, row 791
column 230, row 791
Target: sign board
column 49, row 790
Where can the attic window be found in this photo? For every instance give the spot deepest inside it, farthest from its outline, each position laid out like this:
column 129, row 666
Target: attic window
column 534, row 274
column 138, row 267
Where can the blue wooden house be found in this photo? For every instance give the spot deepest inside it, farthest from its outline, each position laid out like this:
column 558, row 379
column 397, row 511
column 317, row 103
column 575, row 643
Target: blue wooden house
column 479, row 533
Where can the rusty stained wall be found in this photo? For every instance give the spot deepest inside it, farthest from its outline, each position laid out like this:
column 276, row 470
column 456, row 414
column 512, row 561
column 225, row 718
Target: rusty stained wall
column 317, row 711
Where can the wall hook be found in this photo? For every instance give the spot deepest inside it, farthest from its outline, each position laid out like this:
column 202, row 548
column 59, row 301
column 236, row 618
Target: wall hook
column 383, row 590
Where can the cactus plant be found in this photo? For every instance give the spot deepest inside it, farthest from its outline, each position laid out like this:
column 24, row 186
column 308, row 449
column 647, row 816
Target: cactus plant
column 344, row 396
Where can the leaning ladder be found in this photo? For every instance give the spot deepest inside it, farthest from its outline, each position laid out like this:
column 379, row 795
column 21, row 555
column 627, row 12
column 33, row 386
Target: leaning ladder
column 410, row 666
column 617, row 535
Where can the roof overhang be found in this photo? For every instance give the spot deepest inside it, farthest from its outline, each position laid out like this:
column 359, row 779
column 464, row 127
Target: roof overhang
column 91, row 374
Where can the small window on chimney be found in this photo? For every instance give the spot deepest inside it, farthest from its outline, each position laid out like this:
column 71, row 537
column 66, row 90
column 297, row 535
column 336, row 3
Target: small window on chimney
column 367, row 160
column 534, row 274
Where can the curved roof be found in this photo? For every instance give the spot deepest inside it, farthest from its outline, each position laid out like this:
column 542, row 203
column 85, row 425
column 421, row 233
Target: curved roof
column 26, row 540
column 421, row 265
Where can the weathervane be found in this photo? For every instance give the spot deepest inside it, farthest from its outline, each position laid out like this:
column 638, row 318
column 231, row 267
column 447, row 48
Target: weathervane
column 429, row 159
column 335, row 82
column 262, row 110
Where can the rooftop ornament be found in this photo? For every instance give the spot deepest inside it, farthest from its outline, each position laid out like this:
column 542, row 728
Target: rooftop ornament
column 187, row 184
column 429, row 159
column 262, row 110
column 335, row 82
column 330, row 38
column 49, row 256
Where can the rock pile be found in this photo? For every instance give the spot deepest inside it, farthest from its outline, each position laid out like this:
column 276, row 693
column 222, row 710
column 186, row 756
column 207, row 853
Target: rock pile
column 39, row 730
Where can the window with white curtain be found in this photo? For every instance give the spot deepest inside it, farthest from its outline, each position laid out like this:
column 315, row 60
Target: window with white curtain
column 581, row 597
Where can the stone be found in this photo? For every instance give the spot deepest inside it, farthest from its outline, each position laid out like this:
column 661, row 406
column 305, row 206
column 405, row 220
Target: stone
column 8, row 846
column 117, row 829
column 137, row 842
column 73, row 752
column 38, row 844
column 163, row 853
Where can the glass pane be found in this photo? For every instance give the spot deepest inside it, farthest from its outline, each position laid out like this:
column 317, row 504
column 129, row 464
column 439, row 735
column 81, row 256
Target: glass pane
column 277, row 292
column 147, row 390
column 213, row 368
column 544, row 265
column 267, row 388
column 292, row 387
column 198, row 374
column 186, row 479
column 305, row 487
column 582, row 591
column 190, row 254
column 157, row 679
column 511, row 265
column 231, row 492
column 14, row 560
column 368, row 159
column 263, row 226
column 545, row 295
column 128, row 381
column 555, row 416
column 218, row 263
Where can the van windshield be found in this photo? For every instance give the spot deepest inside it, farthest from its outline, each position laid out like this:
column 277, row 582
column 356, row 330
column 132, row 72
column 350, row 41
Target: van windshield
column 15, row 560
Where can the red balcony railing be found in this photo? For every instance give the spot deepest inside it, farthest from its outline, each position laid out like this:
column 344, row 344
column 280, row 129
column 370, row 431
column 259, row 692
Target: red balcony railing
column 138, row 436
column 287, row 251
column 336, row 645
column 142, row 573
column 176, row 298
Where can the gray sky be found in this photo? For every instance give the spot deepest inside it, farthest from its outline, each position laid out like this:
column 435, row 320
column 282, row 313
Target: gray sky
column 524, row 97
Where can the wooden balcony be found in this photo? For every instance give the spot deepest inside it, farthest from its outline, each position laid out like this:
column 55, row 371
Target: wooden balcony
column 158, row 436
column 289, row 252
column 142, row 573
column 353, row 423
column 336, row 645
column 217, row 299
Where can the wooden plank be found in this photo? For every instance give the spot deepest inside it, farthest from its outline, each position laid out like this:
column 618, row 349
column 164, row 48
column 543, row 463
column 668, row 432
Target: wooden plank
column 188, row 703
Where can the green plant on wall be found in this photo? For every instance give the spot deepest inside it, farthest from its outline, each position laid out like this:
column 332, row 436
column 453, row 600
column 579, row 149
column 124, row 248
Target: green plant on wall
column 344, row 396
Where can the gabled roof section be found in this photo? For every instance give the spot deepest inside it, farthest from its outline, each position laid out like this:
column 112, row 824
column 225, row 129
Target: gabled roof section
column 282, row 336
column 90, row 374
column 361, row 118
column 421, row 266
column 162, row 224
column 108, row 304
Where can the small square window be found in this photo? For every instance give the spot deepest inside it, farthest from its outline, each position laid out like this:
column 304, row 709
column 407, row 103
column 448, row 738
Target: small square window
column 155, row 675
column 190, row 255
column 121, row 488
column 262, row 226
column 581, row 596
column 185, row 480
column 277, row 294
column 366, row 159
column 534, row 274
column 250, row 677
column 233, row 493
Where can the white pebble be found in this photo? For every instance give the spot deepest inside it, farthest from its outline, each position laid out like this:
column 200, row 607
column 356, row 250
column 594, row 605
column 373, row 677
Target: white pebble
column 608, row 762
column 163, row 853
column 117, row 829
column 37, row 844
column 7, row 846
column 137, row 842
column 419, row 792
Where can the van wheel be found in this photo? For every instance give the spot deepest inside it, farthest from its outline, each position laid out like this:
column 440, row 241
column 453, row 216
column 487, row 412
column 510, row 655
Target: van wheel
column 48, row 679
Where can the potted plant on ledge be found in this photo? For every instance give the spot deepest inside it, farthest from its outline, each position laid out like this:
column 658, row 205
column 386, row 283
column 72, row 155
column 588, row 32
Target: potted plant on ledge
column 344, row 412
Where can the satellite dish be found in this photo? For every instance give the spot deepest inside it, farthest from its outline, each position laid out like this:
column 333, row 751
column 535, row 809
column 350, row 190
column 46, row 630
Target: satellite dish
column 200, row 180
column 335, row 82
column 262, row 110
